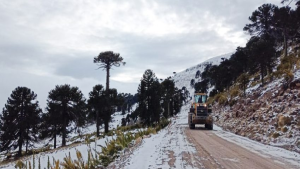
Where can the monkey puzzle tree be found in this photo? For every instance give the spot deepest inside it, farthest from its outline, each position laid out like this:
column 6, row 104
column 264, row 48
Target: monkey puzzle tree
column 107, row 60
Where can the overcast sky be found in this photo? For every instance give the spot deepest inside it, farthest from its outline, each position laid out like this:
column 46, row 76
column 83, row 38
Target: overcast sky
column 48, row 43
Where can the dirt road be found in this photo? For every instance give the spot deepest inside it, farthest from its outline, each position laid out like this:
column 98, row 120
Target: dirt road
column 176, row 146
column 216, row 152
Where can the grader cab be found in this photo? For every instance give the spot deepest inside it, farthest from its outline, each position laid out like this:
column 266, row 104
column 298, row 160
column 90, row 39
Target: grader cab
column 200, row 112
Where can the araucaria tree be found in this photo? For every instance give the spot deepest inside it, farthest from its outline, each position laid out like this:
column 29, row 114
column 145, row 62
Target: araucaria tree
column 66, row 104
column 107, row 60
column 20, row 120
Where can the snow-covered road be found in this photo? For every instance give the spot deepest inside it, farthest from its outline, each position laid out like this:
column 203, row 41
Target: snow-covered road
column 176, row 146
column 167, row 149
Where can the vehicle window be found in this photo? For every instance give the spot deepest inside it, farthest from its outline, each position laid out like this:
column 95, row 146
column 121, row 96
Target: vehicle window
column 204, row 98
column 196, row 98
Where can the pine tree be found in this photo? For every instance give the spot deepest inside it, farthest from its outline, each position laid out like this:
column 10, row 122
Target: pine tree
column 168, row 87
column 51, row 126
column 148, row 98
column 96, row 105
column 243, row 80
column 20, row 120
column 261, row 21
column 192, row 83
column 239, row 61
column 202, row 86
column 177, row 101
column 198, row 73
column 263, row 55
column 66, row 104
column 154, row 105
column 285, row 24
column 110, row 103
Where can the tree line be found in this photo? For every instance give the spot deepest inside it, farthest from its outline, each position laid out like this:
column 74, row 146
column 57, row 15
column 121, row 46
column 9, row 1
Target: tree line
column 273, row 29
column 157, row 99
column 23, row 122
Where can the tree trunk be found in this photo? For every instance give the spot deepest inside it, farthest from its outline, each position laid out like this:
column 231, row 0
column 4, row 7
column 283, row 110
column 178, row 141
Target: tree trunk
column 20, row 141
column 244, row 87
column 106, row 124
column 20, row 144
column 27, row 133
column 26, row 146
column 107, row 78
column 285, row 43
column 64, row 134
column 168, row 108
column 55, row 136
column 262, row 75
column 97, row 123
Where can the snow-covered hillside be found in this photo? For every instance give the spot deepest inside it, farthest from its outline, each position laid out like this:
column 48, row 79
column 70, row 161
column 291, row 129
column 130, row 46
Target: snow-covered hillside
column 268, row 114
column 60, row 153
column 183, row 79
column 258, row 115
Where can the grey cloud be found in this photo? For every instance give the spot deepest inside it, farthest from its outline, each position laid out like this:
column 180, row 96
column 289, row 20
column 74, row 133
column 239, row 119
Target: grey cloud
column 174, row 52
column 39, row 35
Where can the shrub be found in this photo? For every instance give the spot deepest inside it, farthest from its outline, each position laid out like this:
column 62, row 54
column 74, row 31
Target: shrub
column 234, row 93
column 20, row 165
column 284, row 129
column 68, row 163
column 284, row 120
column 124, row 140
column 127, row 128
column 275, row 135
column 222, row 99
column 232, row 102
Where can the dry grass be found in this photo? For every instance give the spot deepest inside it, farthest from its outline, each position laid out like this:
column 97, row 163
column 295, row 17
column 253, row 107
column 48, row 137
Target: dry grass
column 275, row 135
column 221, row 98
column 234, row 92
column 283, row 120
column 284, row 129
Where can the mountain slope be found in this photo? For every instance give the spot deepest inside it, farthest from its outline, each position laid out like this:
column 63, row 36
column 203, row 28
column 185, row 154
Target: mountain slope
column 183, row 79
column 269, row 114
column 177, row 146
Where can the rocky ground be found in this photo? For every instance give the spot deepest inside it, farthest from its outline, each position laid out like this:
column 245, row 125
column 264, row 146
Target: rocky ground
column 269, row 114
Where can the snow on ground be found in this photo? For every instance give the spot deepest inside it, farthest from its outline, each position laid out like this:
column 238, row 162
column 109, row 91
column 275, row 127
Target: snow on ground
column 167, row 148
column 183, row 79
column 60, row 153
column 259, row 148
